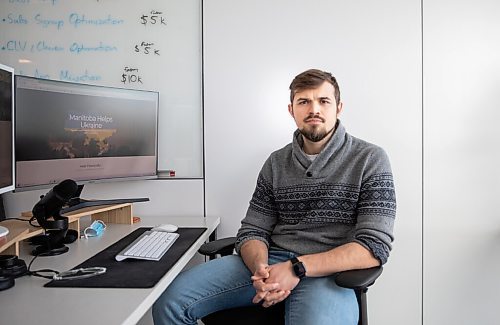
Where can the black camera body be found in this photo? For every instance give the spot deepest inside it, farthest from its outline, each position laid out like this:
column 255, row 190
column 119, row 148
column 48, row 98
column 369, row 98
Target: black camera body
column 47, row 214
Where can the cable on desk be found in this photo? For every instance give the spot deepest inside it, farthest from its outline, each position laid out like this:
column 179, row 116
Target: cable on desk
column 30, row 221
column 80, row 273
column 39, row 273
column 18, row 219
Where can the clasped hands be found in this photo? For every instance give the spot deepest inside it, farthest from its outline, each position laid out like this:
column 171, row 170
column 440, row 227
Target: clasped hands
column 273, row 283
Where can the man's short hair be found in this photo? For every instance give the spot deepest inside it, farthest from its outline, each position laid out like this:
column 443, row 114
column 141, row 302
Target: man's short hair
column 311, row 79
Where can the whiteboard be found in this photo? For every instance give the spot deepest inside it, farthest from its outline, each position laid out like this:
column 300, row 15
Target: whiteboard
column 149, row 45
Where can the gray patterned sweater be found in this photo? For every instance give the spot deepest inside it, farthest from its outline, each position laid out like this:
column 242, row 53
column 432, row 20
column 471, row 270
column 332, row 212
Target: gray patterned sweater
column 344, row 195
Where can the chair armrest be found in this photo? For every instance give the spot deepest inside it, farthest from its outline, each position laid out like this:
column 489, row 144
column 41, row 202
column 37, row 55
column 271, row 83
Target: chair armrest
column 224, row 246
column 352, row 279
column 358, row 279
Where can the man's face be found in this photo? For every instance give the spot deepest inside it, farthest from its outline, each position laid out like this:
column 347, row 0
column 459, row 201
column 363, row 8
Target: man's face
column 315, row 111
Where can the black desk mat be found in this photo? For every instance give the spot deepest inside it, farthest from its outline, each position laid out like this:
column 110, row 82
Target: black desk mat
column 131, row 273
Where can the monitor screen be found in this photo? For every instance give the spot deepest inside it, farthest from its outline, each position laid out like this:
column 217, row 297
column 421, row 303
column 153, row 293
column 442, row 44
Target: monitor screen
column 83, row 132
column 6, row 129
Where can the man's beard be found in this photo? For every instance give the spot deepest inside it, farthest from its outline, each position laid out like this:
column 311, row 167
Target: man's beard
column 315, row 133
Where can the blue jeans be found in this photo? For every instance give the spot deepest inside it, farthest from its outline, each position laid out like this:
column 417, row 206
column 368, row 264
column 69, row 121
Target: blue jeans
column 225, row 283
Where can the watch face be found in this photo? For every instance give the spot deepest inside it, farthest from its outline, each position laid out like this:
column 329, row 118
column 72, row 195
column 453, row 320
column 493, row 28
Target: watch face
column 298, row 268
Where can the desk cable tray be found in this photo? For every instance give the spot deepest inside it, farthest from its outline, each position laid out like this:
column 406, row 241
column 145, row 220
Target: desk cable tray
column 131, row 273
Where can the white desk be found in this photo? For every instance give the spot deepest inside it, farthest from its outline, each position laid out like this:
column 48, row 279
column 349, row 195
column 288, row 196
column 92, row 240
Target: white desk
column 29, row 302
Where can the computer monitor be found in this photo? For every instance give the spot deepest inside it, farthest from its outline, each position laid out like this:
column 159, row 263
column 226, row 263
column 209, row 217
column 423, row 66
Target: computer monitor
column 83, row 132
column 6, row 128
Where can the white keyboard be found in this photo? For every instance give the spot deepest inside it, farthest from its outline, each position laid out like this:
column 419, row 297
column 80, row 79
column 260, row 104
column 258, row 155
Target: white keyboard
column 150, row 245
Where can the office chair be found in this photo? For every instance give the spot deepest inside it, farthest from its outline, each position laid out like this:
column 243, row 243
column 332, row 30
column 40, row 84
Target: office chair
column 359, row 280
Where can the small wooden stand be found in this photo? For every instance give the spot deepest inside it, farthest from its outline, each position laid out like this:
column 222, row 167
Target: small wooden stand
column 118, row 213
column 9, row 244
column 19, row 231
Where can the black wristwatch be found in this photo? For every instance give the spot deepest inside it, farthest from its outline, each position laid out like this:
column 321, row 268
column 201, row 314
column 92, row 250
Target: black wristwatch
column 298, row 267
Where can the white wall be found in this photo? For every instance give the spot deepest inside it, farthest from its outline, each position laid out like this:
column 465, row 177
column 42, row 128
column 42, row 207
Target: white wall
column 253, row 49
column 461, row 151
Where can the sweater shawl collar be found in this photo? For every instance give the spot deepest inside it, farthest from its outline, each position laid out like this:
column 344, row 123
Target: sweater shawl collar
column 332, row 148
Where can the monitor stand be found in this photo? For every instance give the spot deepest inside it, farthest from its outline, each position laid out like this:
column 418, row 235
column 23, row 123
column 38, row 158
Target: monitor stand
column 77, row 203
column 50, row 250
column 50, row 243
column 3, row 231
column 3, row 216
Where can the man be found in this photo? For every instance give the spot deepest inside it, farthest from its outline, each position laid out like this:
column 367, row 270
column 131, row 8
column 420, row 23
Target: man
column 323, row 204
